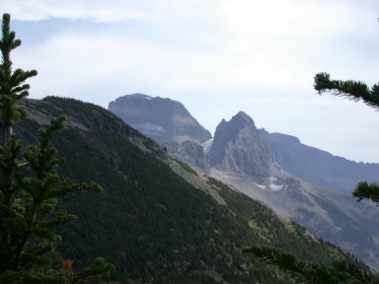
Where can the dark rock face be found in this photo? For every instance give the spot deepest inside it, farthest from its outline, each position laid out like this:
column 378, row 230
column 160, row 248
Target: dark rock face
column 161, row 119
column 190, row 152
column 237, row 147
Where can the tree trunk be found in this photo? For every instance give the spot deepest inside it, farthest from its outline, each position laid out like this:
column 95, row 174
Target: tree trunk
column 5, row 134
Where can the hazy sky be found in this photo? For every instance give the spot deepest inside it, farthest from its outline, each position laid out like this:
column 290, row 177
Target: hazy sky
column 215, row 56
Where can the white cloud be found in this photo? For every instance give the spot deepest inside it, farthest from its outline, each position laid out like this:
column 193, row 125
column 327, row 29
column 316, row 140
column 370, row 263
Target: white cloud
column 286, row 18
column 101, row 11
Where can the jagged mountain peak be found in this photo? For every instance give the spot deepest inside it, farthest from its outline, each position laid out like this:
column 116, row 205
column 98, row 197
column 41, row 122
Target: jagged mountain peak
column 239, row 120
column 242, row 116
column 229, row 129
column 238, row 147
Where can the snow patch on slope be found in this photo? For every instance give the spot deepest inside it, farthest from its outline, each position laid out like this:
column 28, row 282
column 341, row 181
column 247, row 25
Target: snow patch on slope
column 152, row 129
column 261, row 186
column 275, row 185
column 207, row 145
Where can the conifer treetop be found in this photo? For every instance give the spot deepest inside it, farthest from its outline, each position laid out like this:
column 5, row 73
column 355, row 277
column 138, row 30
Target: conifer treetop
column 12, row 83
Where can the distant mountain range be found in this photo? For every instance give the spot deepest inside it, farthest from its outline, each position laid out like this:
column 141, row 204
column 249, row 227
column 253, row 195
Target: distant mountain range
column 318, row 166
column 302, row 183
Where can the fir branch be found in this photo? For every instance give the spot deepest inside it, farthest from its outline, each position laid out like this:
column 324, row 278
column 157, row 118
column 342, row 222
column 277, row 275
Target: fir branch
column 355, row 90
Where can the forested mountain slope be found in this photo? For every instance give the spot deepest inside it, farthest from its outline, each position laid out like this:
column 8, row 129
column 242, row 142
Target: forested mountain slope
column 157, row 220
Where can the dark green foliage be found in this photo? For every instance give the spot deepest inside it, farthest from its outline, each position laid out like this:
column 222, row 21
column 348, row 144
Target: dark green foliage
column 340, row 272
column 30, row 188
column 355, row 90
column 12, row 83
column 98, row 269
column 367, row 191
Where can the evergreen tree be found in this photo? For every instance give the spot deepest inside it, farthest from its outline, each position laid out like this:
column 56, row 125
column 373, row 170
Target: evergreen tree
column 30, row 190
column 12, row 84
column 355, row 90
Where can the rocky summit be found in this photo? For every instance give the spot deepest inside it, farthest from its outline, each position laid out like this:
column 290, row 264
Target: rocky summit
column 237, row 147
column 164, row 120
